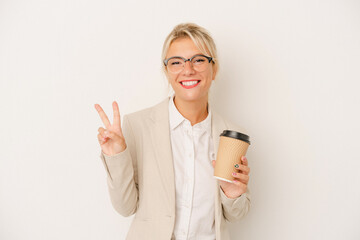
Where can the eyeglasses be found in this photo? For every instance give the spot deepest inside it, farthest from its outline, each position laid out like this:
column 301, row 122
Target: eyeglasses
column 176, row 64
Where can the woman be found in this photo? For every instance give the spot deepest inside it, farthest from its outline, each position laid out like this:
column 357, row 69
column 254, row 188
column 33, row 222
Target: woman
column 160, row 162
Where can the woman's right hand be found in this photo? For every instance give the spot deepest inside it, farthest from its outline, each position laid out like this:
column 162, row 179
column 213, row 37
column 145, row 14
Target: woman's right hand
column 111, row 139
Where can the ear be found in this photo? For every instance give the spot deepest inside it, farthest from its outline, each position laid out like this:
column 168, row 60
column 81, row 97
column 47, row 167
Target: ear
column 214, row 72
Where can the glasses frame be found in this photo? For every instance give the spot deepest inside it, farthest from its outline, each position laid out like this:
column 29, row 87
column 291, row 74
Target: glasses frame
column 190, row 59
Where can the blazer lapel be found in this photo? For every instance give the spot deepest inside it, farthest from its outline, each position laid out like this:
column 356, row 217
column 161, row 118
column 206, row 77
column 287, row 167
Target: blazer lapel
column 217, row 127
column 160, row 134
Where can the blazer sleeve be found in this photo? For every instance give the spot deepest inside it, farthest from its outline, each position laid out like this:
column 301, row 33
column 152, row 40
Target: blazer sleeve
column 235, row 208
column 121, row 172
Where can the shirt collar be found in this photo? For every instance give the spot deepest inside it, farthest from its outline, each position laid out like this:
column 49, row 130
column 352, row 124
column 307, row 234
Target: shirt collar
column 176, row 118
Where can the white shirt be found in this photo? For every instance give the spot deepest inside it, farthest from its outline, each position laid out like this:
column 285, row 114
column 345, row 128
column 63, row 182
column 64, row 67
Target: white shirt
column 193, row 151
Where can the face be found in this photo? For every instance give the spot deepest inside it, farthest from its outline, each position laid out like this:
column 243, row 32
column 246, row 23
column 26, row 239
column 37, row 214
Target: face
column 186, row 48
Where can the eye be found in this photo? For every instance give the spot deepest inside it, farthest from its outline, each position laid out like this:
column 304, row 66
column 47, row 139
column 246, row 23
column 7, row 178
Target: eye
column 175, row 62
column 199, row 60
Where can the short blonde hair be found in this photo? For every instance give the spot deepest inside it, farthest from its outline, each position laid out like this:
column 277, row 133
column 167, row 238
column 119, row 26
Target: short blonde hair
column 199, row 35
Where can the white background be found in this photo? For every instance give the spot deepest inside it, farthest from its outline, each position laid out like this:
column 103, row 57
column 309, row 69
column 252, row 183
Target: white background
column 289, row 74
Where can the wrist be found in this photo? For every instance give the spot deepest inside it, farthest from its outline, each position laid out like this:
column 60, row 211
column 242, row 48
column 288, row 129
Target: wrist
column 228, row 195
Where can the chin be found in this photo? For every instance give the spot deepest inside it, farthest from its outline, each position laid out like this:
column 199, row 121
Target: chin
column 190, row 97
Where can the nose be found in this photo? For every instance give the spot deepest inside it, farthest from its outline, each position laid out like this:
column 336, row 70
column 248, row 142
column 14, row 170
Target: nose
column 188, row 68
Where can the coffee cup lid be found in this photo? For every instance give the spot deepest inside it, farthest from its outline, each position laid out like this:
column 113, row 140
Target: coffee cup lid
column 237, row 135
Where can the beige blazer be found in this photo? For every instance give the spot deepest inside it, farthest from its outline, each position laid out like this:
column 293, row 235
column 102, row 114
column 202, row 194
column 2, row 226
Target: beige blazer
column 141, row 178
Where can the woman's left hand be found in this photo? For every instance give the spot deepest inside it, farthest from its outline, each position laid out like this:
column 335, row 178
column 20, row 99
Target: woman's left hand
column 239, row 185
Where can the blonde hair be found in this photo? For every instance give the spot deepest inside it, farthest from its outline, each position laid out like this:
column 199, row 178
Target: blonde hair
column 199, row 35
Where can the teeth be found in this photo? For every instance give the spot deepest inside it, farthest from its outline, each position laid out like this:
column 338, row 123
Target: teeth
column 190, row 83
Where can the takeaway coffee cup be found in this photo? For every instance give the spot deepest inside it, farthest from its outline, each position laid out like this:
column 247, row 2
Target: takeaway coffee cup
column 232, row 146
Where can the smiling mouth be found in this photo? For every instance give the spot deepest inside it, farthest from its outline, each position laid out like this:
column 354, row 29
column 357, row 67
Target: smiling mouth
column 190, row 84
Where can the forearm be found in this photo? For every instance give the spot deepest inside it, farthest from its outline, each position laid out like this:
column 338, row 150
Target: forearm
column 121, row 184
column 237, row 208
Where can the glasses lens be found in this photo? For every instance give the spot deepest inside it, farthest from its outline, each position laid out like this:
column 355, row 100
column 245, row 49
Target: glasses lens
column 200, row 63
column 175, row 65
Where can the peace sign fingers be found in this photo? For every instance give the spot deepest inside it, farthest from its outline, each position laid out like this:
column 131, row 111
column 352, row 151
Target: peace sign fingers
column 103, row 116
column 117, row 121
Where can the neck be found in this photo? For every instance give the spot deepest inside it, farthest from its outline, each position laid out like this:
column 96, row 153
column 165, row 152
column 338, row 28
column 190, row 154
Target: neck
column 195, row 112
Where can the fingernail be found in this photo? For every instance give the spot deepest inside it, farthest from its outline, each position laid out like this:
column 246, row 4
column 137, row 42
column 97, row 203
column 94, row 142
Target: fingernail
column 234, row 174
column 236, row 165
column 106, row 133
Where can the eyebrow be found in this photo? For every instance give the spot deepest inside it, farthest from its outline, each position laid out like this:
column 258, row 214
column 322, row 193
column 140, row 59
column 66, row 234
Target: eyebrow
column 185, row 57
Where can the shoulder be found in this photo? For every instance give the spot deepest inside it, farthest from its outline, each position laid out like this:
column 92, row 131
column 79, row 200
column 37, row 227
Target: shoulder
column 149, row 113
column 230, row 125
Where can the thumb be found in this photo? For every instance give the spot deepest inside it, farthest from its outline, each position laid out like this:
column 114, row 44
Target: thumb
column 213, row 163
